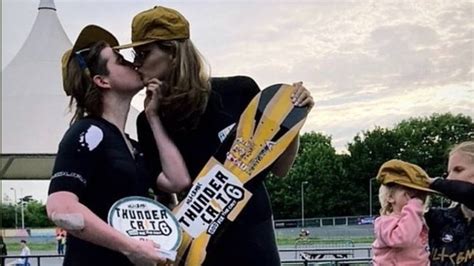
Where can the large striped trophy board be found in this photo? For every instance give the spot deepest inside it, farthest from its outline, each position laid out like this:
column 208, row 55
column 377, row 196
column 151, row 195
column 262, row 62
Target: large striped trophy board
column 265, row 129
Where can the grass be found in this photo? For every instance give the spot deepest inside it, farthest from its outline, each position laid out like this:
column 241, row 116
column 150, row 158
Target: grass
column 280, row 240
column 33, row 246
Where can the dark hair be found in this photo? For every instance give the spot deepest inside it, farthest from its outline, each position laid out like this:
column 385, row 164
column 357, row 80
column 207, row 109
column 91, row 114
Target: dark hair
column 23, row 241
column 85, row 95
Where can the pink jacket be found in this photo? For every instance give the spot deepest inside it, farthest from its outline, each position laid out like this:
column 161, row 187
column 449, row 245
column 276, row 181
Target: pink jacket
column 402, row 239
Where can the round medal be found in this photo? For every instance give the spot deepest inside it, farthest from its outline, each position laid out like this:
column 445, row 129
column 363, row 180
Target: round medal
column 145, row 219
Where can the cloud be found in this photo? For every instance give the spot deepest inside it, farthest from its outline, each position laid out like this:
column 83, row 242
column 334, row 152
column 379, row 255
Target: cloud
column 354, row 56
column 344, row 120
column 367, row 63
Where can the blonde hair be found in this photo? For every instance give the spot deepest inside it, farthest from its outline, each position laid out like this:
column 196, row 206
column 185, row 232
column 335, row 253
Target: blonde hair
column 466, row 147
column 388, row 190
column 185, row 98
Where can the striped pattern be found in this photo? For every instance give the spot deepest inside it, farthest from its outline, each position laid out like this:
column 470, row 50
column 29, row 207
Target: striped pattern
column 265, row 129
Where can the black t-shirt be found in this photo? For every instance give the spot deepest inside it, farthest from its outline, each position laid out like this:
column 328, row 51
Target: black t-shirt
column 94, row 162
column 451, row 235
column 249, row 240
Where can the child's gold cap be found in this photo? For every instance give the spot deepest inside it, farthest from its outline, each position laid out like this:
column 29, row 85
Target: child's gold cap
column 405, row 174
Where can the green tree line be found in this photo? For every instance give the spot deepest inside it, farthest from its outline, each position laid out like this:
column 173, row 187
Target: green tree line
column 34, row 215
column 337, row 184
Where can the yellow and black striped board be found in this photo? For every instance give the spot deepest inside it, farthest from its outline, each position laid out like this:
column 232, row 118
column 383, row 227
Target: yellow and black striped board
column 265, row 129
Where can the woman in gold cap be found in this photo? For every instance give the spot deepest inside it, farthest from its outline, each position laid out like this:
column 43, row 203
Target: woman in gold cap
column 198, row 112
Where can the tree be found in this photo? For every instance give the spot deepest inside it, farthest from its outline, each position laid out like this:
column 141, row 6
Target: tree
column 7, row 215
column 423, row 141
column 34, row 211
column 426, row 141
column 318, row 164
column 36, row 216
column 366, row 154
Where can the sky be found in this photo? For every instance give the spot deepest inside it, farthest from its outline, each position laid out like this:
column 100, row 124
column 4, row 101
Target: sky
column 366, row 63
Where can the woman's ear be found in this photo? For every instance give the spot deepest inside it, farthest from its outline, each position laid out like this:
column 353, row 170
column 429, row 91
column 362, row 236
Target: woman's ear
column 101, row 81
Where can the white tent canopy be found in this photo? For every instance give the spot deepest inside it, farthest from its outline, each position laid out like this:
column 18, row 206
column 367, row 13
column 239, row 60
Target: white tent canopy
column 34, row 107
column 35, row 111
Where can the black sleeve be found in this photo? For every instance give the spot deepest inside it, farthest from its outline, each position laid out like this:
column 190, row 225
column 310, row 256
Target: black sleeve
column 147, row 143
column 235, row 92
column 460, row 191
column 77, row 158
column 249, row 90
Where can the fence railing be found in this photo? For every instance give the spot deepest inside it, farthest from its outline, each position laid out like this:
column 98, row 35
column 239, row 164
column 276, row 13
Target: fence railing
column 337, row 255
column 324, row 221
column 327, row 251
column 29, row 258
column 332, row 262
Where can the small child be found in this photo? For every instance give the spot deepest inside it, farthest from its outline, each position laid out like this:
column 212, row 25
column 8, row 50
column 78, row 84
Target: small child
column 401, row 235
column 25, row 251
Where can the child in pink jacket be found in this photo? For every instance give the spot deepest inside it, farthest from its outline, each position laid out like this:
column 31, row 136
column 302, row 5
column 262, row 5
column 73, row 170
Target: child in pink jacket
column 401, row 235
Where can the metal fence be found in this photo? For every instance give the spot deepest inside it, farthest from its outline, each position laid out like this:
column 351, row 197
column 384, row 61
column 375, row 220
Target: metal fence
column 335, row 247
column 30, row 260
column 329, row 262
column 323, row 221
column 306, row 256
column 327, row 256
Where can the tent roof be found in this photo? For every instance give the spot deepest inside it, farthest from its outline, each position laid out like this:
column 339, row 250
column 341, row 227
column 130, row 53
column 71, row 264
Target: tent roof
column 34, row 107
column 26, row 166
